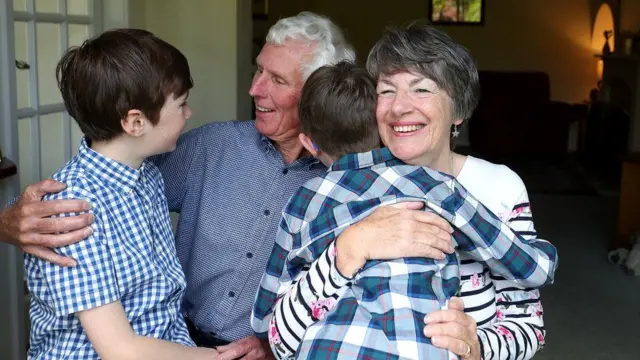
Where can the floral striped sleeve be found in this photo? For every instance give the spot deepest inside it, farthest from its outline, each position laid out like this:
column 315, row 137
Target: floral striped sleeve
column 304, row 302
column 518, row 332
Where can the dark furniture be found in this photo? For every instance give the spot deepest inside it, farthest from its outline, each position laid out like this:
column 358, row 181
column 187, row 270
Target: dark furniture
column 629, row 210
column 7, row 168
column 515, row 116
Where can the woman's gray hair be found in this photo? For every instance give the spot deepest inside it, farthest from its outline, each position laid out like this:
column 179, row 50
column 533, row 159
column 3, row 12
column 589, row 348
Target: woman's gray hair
column 429, row 52
column 331, row 46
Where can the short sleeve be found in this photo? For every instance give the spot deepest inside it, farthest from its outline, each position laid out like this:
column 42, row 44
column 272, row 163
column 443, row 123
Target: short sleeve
column 92, row 282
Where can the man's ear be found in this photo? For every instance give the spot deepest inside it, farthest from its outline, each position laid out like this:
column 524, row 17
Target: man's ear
column 309, row 145
column 134, row 123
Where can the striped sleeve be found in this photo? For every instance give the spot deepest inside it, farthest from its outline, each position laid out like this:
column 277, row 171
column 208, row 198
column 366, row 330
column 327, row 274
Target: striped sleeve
column 305, row 302
column 518, row 332
column 486, row 238
column 13, row 201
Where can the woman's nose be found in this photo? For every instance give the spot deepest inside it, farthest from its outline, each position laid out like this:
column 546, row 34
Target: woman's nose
column 401, row 104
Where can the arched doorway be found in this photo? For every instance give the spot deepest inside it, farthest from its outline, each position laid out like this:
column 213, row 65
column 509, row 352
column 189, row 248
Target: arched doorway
column 604, row 21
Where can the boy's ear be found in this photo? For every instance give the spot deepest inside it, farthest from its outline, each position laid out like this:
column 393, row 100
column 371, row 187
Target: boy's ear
column 134, row 123
column 309, row 145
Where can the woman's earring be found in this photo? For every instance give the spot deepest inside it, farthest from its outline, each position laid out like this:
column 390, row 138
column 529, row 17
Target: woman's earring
column 455, row 132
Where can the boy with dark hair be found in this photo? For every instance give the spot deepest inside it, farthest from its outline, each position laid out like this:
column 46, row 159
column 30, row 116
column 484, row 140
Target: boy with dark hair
column 127, row 90
column 380, row 314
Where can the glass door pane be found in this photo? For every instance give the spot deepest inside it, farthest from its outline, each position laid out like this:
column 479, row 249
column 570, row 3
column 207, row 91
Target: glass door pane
column 78, row 34
column 49, row 52
column 48, row 6
column 78, row 7
column 21, row 41
column 52, row 143
column 28, row 157
column 20, row 5
column 76, row 137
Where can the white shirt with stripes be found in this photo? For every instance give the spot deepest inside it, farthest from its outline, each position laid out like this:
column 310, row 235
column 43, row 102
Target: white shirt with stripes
column 509, row 317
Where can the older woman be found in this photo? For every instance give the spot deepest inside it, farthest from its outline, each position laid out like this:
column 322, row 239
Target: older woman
column 427, row 86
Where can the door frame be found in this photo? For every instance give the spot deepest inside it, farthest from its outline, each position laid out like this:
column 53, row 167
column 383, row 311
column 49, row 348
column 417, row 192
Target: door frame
column 12, row 332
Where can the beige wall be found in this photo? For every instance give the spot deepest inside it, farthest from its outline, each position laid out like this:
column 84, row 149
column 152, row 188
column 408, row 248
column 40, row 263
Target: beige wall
column 216, row 38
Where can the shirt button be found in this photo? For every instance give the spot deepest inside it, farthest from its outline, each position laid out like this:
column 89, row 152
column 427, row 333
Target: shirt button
column 285, row 171
column 232, row 294
column 267, row 213
column 249, row 255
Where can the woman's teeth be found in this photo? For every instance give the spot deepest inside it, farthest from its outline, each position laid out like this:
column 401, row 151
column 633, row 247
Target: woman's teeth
column 407, row 128
column 261, row 109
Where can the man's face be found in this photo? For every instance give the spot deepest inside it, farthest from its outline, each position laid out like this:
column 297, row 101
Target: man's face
column 276, row 88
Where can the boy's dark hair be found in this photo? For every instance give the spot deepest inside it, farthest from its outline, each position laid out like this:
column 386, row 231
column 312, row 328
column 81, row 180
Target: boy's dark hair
column 338, row 109
column 115, row 72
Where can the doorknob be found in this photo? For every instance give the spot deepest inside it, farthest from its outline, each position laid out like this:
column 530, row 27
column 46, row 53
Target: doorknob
column 21, row 65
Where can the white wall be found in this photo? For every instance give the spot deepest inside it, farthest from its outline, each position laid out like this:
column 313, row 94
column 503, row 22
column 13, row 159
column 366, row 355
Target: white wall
column 215, row 36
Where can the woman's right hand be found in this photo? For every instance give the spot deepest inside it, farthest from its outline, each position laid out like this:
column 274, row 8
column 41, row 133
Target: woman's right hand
column 393, row 232
column 28, row 225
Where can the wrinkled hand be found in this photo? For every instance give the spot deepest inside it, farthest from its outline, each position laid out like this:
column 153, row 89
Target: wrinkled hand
column 249, row 348
column 454, row 330
column 27, row 224
column 393, row 232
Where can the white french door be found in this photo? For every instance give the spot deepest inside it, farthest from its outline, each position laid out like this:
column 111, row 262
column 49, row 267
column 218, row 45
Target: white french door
column 43, row 30
column 35, row 130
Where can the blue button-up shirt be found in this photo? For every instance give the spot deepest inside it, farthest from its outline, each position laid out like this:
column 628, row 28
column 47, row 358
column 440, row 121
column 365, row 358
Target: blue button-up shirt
column 229, row 184
column 130, row 257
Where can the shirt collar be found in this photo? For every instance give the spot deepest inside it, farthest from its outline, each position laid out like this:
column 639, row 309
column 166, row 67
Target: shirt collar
column 308, row 161
column 365, row 160
column 112, row 172
column 266, row 143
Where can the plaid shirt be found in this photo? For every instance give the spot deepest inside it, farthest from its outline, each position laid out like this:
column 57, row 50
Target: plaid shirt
column 130, row 257
column 380, row 315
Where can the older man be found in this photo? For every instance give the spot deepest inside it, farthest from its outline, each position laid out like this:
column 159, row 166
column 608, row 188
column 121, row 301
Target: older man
column 229, row 182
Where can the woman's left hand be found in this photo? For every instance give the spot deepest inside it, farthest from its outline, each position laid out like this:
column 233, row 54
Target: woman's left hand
column 454, row 330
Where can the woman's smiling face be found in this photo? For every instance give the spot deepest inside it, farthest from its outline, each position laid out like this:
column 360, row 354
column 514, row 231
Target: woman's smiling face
column 414, row 117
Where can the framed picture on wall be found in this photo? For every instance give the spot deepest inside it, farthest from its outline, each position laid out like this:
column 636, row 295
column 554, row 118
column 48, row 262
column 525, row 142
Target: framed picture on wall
column 456, row 12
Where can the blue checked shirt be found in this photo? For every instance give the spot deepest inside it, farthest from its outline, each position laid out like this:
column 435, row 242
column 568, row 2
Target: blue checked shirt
column 380, row 314
column 130, row 257
column 229, row 184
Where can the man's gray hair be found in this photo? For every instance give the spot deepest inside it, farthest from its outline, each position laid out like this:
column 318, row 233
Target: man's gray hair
column 330, row 44
column 424, row 50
